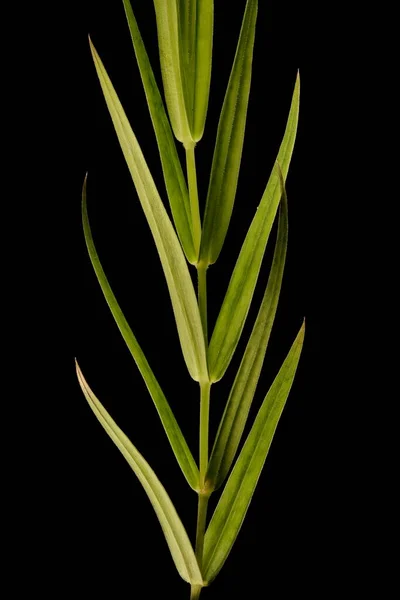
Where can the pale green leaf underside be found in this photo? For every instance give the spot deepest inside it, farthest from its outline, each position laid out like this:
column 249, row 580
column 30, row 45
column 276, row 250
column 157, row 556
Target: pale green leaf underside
column 241, row 395
column 174, row 178
column 167, row 18
column 236, row 304
column 174, row 531
column 178, row 443
column 229, row 143
column 196, row 18
column 236, row 496
column 173, row 261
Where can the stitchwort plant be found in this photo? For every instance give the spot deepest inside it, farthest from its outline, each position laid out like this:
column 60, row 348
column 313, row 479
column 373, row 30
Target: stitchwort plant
column 185, row 35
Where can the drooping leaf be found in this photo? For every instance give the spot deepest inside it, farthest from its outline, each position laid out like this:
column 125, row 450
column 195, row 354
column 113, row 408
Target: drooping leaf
column 236, row 304
column 167, row 16
column 236, row 496
column 229, row 143
column 174, row 531
column 241, row 395
column 196, row 18
column 178, row 443
column 173, row 261
column 174, row 178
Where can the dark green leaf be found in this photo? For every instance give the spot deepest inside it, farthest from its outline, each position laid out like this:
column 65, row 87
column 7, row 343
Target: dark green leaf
column 235, row 499
column 172, row 429
column 240, row 398
column 229, row 143
column 174, row 178
column 196, row 19
column 236, row 304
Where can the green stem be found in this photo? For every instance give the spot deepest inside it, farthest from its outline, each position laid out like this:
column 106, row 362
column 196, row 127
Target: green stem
column 202, row 297
column 195, row 592
column 204, row 416
column 194, row 198
column 201, row 527
column 203, row 493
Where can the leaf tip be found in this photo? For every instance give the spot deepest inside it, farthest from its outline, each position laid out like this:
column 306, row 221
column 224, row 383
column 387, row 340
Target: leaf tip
column 297, row 84
column 84, row 201
column 92, row 48
column 77, row 367
column 302, row 331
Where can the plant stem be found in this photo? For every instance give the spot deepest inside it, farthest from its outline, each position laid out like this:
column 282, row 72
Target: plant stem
column 204, row 415
column 203, row 494
column 194, row 198
column 195, row 592
column 201, row 526
column 202, row 297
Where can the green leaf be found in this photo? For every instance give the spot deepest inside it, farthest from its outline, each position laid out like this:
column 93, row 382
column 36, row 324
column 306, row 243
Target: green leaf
column 173, row 261
column 241, row 395
column 178, row 443
column 235, row 499
column 174, row 178
column 236, row 304
column 174, row 531
column 229, row 143
column 196, row 18
column 167, row 16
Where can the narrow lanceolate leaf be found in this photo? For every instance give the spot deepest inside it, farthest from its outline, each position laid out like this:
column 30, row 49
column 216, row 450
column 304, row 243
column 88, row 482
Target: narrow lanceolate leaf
column 236, row 304
column 234, row 502
column 196, row 19
column 167, row 16
column 229, row 143
column 241, row 396
column 174, row 531
column 174, row 178
column 178, row 443
column 173, row 261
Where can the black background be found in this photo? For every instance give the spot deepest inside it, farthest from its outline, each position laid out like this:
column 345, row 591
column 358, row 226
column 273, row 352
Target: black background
column 104, row 538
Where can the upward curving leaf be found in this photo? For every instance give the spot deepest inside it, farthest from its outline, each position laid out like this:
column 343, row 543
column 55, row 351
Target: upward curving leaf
column 229, row 143
column 176, row 439
column 174, row 178
column 173, row 261
column 236, row 497
column 236, row 304
column 174, row 531
column 242, row 392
